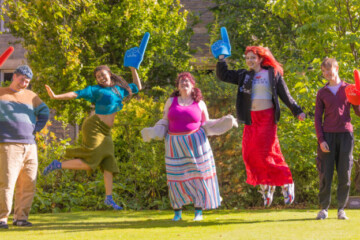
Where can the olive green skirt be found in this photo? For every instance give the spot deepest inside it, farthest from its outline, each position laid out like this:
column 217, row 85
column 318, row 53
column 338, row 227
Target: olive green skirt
column 97, row 147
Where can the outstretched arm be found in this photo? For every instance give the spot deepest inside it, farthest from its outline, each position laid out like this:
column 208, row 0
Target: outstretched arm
column 136, row 78
column 64, row 96
column 166, row 108
column 204, row 111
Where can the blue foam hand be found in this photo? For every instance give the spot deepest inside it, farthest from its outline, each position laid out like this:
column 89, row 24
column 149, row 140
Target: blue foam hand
column 222, row 47
column 134, row 56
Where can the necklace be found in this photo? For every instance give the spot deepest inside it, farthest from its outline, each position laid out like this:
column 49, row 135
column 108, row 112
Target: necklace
column 14, row 90
column 186, row 101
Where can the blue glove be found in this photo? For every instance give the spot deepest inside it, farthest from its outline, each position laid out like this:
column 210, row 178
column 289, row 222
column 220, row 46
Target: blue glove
column 134, row 56
column 222, row 47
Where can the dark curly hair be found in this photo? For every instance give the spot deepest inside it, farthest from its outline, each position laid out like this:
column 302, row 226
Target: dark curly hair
column 196, row 92
column 115, row 78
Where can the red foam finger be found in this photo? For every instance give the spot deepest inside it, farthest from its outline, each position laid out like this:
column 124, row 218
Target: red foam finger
column 357, row 79
column 353, row 94
column 5, row 55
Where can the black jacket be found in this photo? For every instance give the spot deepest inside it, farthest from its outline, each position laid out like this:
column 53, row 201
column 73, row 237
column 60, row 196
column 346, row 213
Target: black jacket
column 243, row 78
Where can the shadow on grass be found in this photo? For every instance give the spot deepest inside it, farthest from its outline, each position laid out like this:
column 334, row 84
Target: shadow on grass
column 158, row 223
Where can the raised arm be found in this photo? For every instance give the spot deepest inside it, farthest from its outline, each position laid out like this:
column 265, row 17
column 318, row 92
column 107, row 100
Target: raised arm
column 64, row 96
column 229, row 76
column 135, row 77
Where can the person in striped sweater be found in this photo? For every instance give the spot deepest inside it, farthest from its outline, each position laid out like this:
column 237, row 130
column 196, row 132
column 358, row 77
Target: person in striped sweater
column 22, row 114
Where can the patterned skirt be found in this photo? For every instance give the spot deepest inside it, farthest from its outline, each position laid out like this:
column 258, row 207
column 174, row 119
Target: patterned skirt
column 262, row 155
column 191, row 171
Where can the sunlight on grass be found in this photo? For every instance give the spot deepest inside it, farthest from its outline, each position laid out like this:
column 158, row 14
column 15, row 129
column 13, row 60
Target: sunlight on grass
column 222, row 224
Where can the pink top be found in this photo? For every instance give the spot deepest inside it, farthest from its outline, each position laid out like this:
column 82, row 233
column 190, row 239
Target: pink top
column 184, row 118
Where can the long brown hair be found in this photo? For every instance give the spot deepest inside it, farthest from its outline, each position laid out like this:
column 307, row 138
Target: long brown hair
column 196, row 94
column 118, row 80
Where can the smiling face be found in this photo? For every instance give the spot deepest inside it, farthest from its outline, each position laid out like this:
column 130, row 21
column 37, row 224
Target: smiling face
column 185, row 85
column 330, row 73
column 20, row 82
column 253, row 61
column 103, row 78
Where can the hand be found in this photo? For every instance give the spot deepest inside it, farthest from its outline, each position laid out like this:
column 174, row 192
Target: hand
column 353, row 90
column 50, row 92
column 301, row 116
column 134, row 56
column 6, row 55
column 324, row 147
column 222, row 47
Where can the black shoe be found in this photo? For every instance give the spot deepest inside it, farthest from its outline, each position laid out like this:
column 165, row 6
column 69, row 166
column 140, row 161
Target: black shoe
column 4, row 225
column 22, row 223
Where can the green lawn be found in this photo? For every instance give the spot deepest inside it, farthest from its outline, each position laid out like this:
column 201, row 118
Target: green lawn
column 221, row 224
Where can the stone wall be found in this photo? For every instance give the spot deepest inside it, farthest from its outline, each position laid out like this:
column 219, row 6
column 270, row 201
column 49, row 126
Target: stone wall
column 200, row 40
column 17, row 57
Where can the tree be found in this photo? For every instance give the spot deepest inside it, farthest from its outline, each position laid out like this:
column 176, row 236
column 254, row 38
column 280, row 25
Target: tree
column 66, row 39
column 300, row 34
column 252, row 23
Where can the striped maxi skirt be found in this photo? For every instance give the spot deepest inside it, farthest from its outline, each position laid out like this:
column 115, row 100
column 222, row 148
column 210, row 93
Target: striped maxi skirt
column 191, row 170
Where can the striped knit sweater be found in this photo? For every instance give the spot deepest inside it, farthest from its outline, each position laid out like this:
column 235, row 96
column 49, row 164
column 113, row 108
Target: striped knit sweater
column 21, row 115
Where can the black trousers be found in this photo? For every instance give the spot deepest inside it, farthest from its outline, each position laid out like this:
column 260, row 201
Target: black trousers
column 341, row 149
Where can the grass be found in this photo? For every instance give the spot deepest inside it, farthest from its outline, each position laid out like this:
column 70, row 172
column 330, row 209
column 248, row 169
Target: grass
column 220, row 224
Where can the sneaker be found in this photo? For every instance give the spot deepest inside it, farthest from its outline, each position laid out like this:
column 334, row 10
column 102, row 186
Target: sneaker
column 177, row 216
column 110, row 202
column 267, row 192
column 342, row 215
column 51, row 167
column 22, row 223
column 3, row 225
column 288, row 191
column 323, row 214
column 198, row 215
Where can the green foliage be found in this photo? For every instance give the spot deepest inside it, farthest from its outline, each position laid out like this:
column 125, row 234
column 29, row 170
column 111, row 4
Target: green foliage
column 66, row 40
column 142, row 165
column 251, row 23
column 141, row 183
column 299, row 34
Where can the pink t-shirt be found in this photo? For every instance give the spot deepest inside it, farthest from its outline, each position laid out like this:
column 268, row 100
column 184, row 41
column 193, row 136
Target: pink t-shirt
column 184, row 118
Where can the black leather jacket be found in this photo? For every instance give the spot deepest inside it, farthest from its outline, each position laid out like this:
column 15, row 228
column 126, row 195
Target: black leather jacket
column 243, row 78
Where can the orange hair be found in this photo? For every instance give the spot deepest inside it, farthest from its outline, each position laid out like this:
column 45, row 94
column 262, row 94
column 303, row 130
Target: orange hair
column 268, row 58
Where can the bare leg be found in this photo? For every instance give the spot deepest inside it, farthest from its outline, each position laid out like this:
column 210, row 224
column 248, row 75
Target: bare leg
column 108, row 180
column 75, row 164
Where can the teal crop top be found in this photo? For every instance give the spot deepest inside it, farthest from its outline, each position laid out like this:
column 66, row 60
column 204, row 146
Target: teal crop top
column 106, row 99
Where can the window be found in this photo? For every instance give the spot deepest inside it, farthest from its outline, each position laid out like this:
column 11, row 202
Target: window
column 5, row 77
